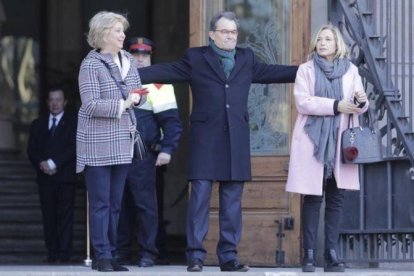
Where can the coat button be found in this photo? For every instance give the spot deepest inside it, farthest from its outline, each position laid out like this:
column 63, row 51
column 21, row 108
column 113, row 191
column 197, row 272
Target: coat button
column 227, row 86
column 227, row 106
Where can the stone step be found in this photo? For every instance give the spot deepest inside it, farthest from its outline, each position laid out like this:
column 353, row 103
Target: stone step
column 28, row 185
column 31, row 200
column 32, row 245
column 9, row 171
column 18, row 247
column 80, row 269
column 25, row 230
column 22, row 200
column 21, row 231
column 18, row 183
column 25, row 215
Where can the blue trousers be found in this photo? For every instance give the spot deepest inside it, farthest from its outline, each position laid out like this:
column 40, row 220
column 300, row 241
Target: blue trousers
column 105, row 185
column 140, row 201
column 334, row 201
column 230, row 219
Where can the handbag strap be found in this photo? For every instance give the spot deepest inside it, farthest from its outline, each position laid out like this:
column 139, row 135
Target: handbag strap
column 370, row 121
column 117, row 84
column 115, row 80
column 351, row 121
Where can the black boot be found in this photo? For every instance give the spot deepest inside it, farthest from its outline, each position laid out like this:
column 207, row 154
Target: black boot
column 331, row 262
column 308, row 261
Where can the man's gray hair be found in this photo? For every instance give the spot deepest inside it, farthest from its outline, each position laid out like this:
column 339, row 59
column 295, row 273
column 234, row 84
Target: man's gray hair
column 226, row 14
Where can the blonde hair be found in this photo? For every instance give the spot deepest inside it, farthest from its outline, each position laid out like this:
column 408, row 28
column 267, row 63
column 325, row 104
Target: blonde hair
column 100, row 26
column 341, row 48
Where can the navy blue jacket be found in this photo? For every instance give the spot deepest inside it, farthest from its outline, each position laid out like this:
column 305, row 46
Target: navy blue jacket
column 150, row 123
column 219, row 142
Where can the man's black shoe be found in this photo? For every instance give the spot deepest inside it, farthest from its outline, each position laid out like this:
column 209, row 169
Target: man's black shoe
column 123, row 260
column 234, row 265
column 117, row 266
column 104, row 265
column 145, row 262
column 195, row 265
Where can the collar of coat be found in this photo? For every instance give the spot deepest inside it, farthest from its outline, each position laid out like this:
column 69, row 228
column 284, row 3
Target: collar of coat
column 213, row 60
column 107, row 57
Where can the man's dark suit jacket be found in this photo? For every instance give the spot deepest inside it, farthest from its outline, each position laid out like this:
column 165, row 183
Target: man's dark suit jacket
column 219, row 142
column 61, row 149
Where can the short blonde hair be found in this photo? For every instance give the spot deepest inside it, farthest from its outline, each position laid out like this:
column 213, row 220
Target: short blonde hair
column 341, row 48
column 100, row 25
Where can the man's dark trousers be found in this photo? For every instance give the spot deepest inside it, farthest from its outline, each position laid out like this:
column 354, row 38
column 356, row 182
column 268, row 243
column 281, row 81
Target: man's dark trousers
column 141, row 189
column 230, row 219
column 57, row 203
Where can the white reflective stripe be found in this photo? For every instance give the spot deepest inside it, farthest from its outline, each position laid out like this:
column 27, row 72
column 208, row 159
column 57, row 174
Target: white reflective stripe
column 166, row 106
column 161, row 99
column 146, row 106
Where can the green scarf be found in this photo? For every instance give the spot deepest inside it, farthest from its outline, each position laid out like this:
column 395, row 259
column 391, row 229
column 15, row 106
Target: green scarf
column 226, row 58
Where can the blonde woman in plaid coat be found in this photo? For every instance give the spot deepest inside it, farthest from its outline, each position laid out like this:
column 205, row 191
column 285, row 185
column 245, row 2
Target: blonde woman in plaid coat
column 106, row 129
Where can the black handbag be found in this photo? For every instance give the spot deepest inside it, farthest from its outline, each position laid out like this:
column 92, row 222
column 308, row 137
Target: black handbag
column 140, row 150
column 362, row 144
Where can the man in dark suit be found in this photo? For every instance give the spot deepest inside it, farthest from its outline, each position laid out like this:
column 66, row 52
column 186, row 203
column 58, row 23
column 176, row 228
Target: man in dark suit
column 220, row 76
column 52, row 152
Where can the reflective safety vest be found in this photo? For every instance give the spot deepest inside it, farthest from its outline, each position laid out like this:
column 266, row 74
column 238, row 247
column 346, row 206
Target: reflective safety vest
column 158, row 119
column 160, row 97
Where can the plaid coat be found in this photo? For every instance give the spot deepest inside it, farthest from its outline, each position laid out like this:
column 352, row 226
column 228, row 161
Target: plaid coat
column 102, row 138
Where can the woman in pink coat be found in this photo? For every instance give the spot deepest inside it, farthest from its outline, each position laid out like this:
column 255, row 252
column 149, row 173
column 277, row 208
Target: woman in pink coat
column 325, row 89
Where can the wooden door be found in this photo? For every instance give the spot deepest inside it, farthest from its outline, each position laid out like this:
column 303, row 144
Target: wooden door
column 278, row 32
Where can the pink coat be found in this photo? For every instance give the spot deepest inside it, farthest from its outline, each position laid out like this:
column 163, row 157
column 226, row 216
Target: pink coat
column 305, row 172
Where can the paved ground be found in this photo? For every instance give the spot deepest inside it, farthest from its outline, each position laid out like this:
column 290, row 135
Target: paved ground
column 78, row 270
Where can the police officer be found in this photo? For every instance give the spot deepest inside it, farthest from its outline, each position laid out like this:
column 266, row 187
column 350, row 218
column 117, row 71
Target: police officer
column 161, row 128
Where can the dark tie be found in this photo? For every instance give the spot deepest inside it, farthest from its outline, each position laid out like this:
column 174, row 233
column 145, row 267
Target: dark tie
column 53, row 127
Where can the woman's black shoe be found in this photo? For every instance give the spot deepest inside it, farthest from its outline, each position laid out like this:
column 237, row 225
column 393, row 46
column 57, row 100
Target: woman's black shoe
column 331, row 262
column 308, row 261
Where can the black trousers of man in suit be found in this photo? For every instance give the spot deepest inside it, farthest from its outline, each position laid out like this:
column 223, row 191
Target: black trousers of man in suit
column 57, row 204
column 230, row 219
column 334, row 201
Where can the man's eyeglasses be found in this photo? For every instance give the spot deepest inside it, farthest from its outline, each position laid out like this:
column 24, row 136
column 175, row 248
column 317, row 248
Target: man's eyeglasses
column 227, row 32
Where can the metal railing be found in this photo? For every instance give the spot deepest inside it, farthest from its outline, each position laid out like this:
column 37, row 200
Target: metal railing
column 378, row 224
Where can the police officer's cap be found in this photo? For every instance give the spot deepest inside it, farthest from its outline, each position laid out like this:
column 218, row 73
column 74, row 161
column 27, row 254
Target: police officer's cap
column 141, row 45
